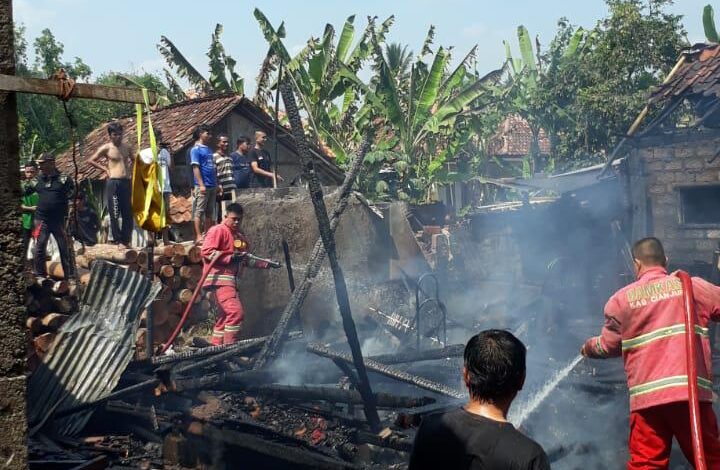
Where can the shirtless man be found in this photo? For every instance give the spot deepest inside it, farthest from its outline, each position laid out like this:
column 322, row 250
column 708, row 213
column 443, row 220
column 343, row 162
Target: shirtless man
column 119, row 162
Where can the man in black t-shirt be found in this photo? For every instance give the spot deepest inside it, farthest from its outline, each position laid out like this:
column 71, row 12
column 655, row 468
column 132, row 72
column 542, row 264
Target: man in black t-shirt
column 261, row 162
column 478, row 436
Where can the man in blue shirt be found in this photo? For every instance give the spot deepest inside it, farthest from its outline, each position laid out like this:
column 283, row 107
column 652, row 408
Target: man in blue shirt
column 205, row 179
column 242, row 163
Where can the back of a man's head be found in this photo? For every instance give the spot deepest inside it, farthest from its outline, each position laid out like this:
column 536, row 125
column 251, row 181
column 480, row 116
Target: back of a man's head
column 495, row 365
column 649, row 251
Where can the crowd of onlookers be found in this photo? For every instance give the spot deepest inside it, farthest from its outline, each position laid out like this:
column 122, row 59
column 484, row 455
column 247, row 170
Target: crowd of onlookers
column 217, row 173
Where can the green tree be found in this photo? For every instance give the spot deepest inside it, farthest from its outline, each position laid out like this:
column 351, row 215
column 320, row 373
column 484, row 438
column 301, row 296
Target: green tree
column 222, row 76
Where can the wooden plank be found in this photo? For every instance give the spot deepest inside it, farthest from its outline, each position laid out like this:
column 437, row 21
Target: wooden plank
column 81, row 90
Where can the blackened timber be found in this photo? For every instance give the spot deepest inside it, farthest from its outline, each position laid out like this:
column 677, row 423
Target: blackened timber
column 328, row 239
column 388, row 371
column 232, row 350
column 336, row 395
column 272, row 346
column 393, row 441
column 454, row 350
column 225, row 381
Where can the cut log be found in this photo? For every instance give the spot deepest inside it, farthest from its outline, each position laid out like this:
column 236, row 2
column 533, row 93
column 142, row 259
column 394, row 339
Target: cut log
column 184, row 295
column 190, row 284
column 178, row 260
column 166, row 271
column 179, row 249
column 142, row 258
column 33, row 324
column 54, row 269
column 83, row 262
column 134, row 267
column 166, row 250
column 62, row 305
column 111, row 253
column 165, row 293
column 53, row 321
column 191, row 272
column 85, row 278
column 193, row 255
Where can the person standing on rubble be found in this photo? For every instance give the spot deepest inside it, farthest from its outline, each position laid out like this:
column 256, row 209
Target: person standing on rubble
column 644, row 322
column 54, row 190
column 478, row 435
column 227, row 242
column 118, row 171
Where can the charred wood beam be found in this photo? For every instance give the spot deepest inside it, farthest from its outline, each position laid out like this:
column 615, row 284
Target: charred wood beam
column 328, row 239
column 454, row 350
column 393, row 441
column 229, row 352
column 272, row 346
column 389, row 371
column 336, row 395
column 226, row 381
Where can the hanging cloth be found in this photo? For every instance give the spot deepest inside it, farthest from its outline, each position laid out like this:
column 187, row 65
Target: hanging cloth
column 147, row 200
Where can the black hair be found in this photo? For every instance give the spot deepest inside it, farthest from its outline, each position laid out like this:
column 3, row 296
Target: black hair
column 223, row 135
column 243, row 139
column 200, row 129
column 31, row 164
column 495, row 363
column 235, row 208
column 650, row 251
column 114, row 128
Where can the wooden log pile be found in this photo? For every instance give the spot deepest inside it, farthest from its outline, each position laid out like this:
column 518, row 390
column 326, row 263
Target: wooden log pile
column 177, row 266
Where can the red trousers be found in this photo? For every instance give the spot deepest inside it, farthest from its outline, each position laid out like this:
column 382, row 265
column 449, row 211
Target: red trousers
column 652, row 430
column 230, row 315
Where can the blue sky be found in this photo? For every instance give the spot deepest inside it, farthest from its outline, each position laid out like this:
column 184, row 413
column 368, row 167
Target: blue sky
column 122, row 35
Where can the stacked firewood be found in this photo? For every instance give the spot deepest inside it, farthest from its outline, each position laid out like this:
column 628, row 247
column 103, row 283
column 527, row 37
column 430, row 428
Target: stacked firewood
column 49, row 302
column 177, row 266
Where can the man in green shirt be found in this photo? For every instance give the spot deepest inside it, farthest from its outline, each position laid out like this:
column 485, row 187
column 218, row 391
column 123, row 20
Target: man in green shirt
column 28, row 204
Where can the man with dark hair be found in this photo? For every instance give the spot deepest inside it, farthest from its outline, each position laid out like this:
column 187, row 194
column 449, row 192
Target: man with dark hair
column 261, row 162
column 228, row 243
column 203, row 167
column 242, row 163
column 224, row 165
column 117, row 169
column 478, row 436
column 54, row 190
column 644, row 323
column 28, row 205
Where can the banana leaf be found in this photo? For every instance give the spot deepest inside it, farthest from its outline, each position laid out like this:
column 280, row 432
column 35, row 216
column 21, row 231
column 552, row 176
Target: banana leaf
column 346, row 37
column 709, row 24
column 526, row 49
column 176, row 60
column 431, row 87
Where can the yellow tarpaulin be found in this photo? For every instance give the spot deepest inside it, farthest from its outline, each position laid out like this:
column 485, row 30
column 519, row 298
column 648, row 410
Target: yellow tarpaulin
column 147, row 199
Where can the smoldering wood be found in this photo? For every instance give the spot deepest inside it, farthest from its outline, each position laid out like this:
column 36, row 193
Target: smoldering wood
column 336, row 395
column 454, row 350
column 388, row 371
column 328, row 239
column 393, row 441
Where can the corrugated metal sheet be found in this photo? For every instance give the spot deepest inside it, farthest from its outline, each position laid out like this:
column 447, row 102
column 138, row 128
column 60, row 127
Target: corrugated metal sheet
column 92, row 349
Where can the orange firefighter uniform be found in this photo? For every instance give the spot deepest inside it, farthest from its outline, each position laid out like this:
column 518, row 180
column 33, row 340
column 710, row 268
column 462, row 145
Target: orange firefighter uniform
column 644, row 324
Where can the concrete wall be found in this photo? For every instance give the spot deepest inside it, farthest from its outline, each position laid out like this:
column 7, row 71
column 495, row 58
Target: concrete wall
column 13, row 438
column 287, row 213
column 670, row 162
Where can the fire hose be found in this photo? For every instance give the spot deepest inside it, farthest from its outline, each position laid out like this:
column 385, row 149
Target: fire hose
column 206, row 270
column 690, row 349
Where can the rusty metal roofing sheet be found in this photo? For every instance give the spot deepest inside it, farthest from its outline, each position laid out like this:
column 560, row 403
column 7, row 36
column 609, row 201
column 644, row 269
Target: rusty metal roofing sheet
column 92, row 349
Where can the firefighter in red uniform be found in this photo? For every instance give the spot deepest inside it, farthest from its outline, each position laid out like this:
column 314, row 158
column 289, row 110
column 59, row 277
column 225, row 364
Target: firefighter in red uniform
column 227, row 242
column 644, row 323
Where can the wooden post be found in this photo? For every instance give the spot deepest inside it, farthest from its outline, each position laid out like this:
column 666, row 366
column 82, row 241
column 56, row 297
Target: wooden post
column 328, row 239
column 13, row 368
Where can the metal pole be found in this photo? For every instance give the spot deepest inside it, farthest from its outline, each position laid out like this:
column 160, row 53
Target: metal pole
column 277, row 123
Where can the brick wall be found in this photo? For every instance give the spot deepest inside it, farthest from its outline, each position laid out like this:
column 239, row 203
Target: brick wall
column 671, row 162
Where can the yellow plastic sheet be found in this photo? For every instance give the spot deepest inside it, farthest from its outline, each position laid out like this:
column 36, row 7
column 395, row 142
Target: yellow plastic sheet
column 147, row 200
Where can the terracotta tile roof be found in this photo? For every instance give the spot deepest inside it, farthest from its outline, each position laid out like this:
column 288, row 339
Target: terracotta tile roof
column 513, row 139
column 697, row 78
column 176, row 121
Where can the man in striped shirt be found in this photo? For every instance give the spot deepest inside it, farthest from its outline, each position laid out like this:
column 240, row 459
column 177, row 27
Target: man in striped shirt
column 224, row 166
column 644, row 323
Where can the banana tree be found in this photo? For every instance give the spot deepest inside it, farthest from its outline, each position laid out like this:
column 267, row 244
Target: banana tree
column 425, row 122
column 222, row 77
column 709, row 24
column 324, row 75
